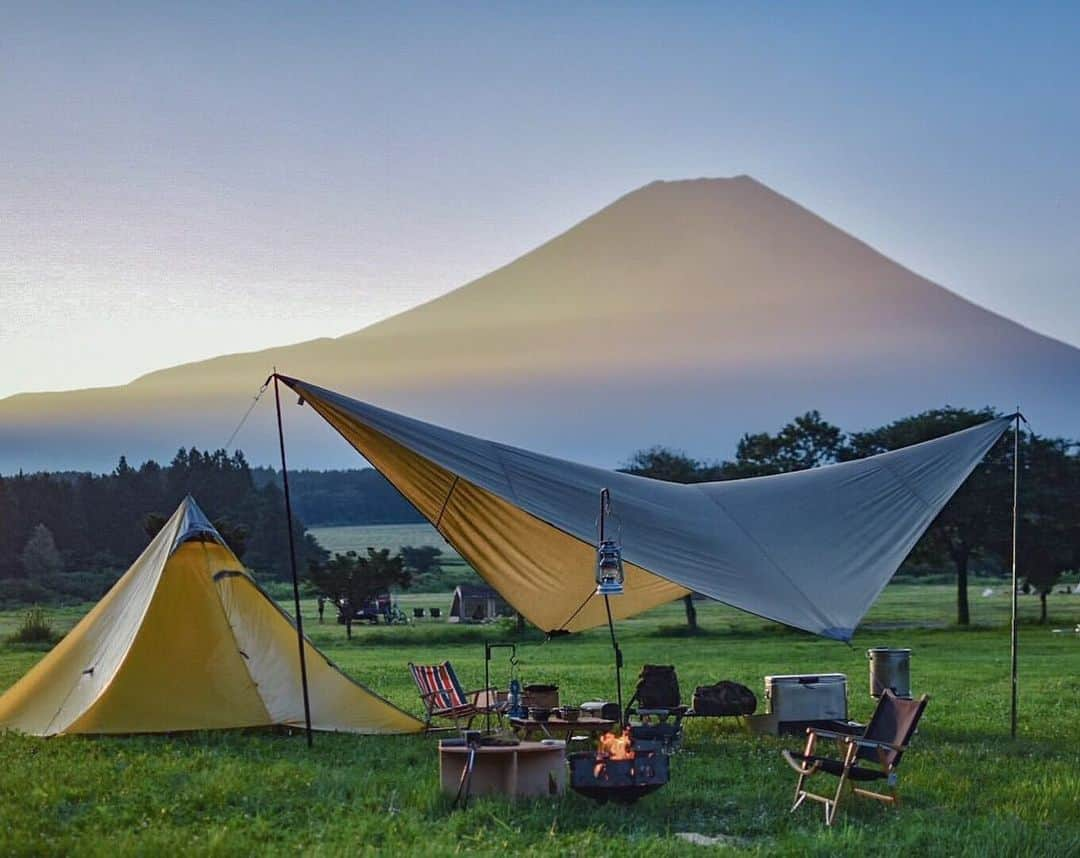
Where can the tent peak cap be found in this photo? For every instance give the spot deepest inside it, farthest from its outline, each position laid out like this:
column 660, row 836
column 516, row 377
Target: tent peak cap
column 194, row 524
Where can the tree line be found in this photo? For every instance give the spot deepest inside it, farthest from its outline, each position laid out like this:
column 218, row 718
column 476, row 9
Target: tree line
column 55, row 524
column 71, row 524
column 974, row 527
column 333, row 498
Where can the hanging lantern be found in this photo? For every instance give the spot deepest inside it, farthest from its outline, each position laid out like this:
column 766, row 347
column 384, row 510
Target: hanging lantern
column 609, row 567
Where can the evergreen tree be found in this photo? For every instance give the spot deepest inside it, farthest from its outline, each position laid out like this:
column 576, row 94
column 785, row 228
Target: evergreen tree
column 40, row 556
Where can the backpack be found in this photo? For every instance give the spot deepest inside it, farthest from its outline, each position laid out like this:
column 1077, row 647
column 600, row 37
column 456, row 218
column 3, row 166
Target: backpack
column 657, row 687
column 724, row 698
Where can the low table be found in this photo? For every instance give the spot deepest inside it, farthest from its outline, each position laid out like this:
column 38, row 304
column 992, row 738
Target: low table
column 560, row 728
column 528, row 769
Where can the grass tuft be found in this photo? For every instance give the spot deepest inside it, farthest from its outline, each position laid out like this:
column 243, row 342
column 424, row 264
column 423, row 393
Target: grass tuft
column 35, row 629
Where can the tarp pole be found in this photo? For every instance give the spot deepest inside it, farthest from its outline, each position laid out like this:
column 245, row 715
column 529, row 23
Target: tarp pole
column 292, row 564
column 605, row 501
column 1015, row 527
column 618, row 662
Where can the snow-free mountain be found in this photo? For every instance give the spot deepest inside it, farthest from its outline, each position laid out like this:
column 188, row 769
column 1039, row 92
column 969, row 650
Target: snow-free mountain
column 684, row 313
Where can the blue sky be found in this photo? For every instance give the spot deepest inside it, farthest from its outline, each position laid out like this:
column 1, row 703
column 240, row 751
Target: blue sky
column 180, row 182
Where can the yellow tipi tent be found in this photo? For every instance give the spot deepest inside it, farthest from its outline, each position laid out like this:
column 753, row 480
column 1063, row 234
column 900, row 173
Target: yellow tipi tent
column 186, row 640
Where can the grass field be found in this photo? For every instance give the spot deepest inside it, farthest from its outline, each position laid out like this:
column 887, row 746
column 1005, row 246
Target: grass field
column 454, row 570
column 968, row 789
column 392, row 536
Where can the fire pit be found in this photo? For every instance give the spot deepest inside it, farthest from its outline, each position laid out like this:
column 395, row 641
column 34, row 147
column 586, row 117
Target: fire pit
column 620, row 770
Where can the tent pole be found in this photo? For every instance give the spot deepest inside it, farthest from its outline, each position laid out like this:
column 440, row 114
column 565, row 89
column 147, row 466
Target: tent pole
column 1015, row 527
column 618, row 662
column 292, row 564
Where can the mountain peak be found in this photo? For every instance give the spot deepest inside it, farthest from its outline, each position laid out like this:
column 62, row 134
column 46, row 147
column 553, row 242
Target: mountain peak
column 684, row 313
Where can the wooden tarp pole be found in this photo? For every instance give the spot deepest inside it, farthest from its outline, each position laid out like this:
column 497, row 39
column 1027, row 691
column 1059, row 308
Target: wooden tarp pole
column 1015, row 527
column 292, row 564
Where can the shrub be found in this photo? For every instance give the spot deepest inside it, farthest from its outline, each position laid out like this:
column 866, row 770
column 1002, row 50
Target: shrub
column 34, row 629
column 80, row 586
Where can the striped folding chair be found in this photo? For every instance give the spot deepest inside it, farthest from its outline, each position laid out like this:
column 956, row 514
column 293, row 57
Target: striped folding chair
column 443, row 695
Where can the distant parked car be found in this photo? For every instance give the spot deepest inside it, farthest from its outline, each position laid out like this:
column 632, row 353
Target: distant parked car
column 372, row 611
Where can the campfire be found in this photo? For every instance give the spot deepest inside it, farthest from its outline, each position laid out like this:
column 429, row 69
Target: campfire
column 620, row 769
column 612, row 747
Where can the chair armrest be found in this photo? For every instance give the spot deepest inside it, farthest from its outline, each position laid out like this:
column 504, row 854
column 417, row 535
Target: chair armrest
column 827, row 734
column 874, row 743
column 854, row 740
column 428, row 697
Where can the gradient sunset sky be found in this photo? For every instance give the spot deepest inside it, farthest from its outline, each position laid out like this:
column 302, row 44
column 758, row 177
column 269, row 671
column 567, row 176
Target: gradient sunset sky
column 184, row 180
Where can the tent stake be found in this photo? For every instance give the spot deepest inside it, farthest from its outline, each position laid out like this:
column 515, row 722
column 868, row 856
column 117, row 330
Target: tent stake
column 1015, row 525
column 292, row 564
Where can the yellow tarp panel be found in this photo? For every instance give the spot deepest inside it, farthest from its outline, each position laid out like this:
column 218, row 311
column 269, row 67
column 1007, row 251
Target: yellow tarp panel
column 543, row 572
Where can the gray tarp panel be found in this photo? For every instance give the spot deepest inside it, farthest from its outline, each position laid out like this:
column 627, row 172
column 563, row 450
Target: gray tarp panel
column 811, row 549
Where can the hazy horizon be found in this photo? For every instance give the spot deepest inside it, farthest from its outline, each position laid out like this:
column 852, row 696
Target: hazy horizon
column 187, row 182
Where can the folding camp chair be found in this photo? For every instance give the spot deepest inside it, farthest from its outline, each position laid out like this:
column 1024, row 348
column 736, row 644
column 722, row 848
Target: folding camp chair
column 443, row 695
column 882, row 743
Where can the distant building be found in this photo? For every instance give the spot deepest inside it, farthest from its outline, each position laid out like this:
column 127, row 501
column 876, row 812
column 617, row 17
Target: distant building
column 477, row 604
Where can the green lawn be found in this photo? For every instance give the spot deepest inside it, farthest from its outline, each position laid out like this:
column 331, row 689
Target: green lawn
column 968, row 789
column 393, row 536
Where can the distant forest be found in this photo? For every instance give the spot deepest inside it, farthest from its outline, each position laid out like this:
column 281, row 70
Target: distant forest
column 56, row 524
column 70, row 534
column 334, row 498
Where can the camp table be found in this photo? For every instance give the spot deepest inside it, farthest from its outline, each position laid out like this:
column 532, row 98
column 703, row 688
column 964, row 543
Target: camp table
column 559, row 727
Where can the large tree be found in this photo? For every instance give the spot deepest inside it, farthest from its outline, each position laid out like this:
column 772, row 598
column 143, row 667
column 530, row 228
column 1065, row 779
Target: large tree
column 1049, row 528
column 663, row 463
column 806, row 442
column 350, row 581
column 422, row 560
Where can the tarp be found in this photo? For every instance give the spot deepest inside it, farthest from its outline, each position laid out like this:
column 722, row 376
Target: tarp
column 186, row 640
column 810, row 549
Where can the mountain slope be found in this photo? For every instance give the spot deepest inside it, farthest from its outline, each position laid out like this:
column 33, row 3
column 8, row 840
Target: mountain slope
column 684, row 313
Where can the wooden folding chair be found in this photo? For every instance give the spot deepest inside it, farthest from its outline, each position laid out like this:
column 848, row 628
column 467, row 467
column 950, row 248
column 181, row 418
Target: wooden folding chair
column 882, row 744
column 443, row 695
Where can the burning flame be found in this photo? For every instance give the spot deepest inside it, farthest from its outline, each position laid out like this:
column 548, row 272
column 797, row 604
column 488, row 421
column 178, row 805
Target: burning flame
column 612, row 747
column 615, row 747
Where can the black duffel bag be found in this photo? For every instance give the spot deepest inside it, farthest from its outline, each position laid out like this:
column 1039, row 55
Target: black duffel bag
column 724, row 698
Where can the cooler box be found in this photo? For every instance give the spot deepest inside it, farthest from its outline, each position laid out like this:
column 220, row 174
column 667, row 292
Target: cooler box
column 807, row 697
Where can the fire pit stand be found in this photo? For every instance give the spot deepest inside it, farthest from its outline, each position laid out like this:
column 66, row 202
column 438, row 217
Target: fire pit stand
column 622, row 781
